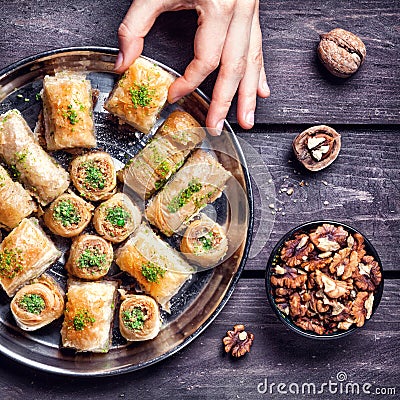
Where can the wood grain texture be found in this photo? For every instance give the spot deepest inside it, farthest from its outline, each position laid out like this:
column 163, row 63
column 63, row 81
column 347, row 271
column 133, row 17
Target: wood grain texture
column 302, row 91
column 202, row 371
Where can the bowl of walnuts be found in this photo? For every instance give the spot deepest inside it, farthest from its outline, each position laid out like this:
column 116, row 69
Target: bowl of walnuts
column 324, row 279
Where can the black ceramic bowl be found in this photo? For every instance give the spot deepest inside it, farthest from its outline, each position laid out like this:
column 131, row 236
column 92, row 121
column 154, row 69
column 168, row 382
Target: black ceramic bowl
column 275, row 255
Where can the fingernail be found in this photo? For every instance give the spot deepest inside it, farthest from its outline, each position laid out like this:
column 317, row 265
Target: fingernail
column 266, row 87
column 119, row 60
column 219, row 127
column 250, row 118
column 174, row 100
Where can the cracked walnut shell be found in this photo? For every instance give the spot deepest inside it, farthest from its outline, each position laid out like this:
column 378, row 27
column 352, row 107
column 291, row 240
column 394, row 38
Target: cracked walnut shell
column 317, row 147
column 238, row 341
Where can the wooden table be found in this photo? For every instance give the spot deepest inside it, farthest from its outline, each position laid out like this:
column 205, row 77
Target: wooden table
column 361, row 188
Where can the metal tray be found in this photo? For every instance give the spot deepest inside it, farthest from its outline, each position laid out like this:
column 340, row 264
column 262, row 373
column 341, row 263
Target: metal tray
column 202, row 298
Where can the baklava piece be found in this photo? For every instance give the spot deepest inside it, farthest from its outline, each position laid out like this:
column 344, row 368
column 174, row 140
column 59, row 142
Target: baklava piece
column 68, row 111
column 140, row 94
column 88, row 316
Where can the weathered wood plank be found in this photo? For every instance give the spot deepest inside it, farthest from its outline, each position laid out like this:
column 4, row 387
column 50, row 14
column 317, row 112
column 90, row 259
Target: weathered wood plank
column 302, row 92
column 361, row 188
column 202, row 371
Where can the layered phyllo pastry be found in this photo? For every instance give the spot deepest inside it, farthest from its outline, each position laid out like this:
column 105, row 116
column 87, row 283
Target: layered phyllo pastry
column 140, row 94
column 88, row 315
column 68, row 215
column 151, row 168
column 94, row 176
column 204, row 242
column 157, row 267
column 139, row 317
column 28, row 162
column 38, row 304
column 16, row 202
column 24, row 255
column 68, row 111
column 90, row 257
column 116, row 218
column 199, row 182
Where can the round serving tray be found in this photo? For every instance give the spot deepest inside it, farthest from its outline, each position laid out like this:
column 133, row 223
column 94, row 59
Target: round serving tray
column 201, row 299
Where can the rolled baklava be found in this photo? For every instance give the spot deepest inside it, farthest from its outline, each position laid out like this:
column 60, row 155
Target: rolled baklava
column 16, row 202
column 38, row 304
column 151, row 168
column 140, row 94
column 199, row 182
column 94, row 176
column 116, row 218
column 31, row 165
column 204, row 242
column 68, row 111
column 139, row 318
column 157, row 267
column 88, row 315
column 24, row 255
column 90, row 257
column 68, row 215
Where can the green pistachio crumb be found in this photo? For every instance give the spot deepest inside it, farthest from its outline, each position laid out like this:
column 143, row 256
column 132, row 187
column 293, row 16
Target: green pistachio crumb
column 14, row 172
column 71, row 114
column 117, row 216
column 82, row 319
column 10, row 263
column 152, row 272
column 32, row 303
column 184, row 196
column 92, row 258
column 94, row 178
column 66, row 213
column 141, row 95
column 134, row 319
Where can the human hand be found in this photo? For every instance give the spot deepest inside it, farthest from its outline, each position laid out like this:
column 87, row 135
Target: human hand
column 228, row 36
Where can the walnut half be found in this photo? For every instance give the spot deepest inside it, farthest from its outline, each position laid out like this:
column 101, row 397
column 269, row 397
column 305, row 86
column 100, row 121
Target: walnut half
column 238, row 341
column 317, row 147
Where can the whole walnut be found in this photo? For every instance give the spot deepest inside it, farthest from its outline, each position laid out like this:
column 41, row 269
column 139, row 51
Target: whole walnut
column 341, row 52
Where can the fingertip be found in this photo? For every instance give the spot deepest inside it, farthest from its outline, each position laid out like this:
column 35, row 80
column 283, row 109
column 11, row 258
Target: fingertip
column 118, row 62
column 263, row 90
column 130, row 48
column 214, row 128
column 177, row 90
column 246, row 121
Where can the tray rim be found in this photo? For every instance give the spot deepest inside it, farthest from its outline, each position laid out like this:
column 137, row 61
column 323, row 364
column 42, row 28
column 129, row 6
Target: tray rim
column 250, row 199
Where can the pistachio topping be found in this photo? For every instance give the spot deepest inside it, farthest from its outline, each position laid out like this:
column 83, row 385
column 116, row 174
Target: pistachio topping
column 82, row 319
column 94, row 176
column 117, row 216
column 184, row 196
column 71, row 115
column 66, row 213
column 152, row 272
column 10, row 263
column 32, row 303
column 141, row 95
column 91, row 258
column 134, row 319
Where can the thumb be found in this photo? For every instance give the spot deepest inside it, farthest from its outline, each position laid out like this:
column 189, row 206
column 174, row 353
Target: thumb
column 137, row 22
